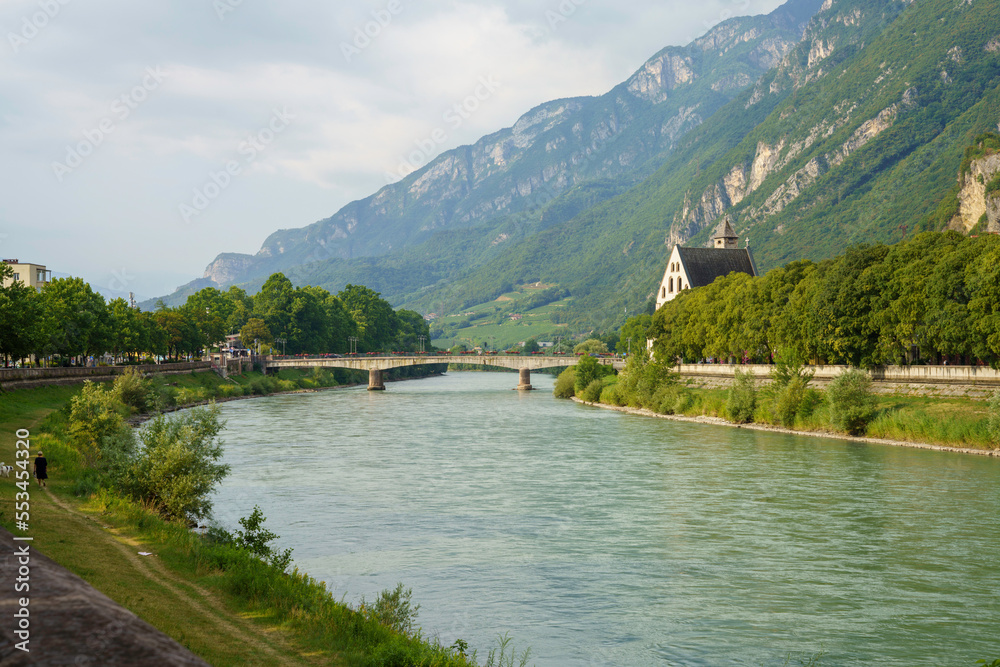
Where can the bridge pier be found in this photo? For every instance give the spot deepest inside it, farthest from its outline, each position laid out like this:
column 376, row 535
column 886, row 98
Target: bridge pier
column 375, row 382
column 524, row 384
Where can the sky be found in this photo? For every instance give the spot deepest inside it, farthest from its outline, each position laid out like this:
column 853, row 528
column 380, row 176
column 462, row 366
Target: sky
column 140, row 140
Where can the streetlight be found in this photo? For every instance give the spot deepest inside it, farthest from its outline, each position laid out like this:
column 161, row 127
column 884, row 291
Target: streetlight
column 282, row 341
column 421, row 339
column 353, row 344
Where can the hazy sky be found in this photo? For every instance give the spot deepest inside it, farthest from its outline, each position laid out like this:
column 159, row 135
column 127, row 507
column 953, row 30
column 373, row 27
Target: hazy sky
column 118, row 119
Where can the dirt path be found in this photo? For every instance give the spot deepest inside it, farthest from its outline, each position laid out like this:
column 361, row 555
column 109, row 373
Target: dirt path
column 208, row 608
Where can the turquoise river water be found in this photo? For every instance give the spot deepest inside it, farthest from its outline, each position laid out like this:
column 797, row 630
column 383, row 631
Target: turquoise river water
column 598, row 538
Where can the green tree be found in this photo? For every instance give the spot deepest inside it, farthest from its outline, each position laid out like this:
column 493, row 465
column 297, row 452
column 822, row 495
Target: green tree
column 591, row 346
column 75, row 318
column 587, row 370
column 253, row 332
column 20, row 313
column 411, row 326
column 377, row 323
column 273, row 305
column 128, row 333
column 741, row 400
column 634, row 334
column 177, row 467
column 852, row 402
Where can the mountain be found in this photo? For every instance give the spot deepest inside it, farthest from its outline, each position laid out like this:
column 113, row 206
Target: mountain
column 617, row 138
column 856, row 134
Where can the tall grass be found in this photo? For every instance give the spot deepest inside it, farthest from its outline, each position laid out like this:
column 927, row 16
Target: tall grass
column 383, row 633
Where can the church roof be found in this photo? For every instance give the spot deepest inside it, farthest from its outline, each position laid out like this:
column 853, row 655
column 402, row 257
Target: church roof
column 704, row 265
column 725, row 229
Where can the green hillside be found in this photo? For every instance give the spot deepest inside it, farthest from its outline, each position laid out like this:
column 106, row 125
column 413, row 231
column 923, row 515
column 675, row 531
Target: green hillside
column 931, row 64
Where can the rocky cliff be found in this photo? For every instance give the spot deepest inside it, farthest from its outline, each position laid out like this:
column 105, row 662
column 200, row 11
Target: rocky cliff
column 975, row 204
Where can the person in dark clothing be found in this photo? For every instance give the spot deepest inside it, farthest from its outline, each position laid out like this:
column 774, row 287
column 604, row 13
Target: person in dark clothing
column 41, row 469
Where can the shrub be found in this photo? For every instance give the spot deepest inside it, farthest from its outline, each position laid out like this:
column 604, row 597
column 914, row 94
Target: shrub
column 393, row 608
column 177, row 468
column 134, row 391
column 230, row 390
column 59, row 454
column 741, row 400
column 95, row 414
column 788, row 400
column 565, row 384
column 592, row 392
column 256, row 539
column 852, row 403
column 993, row 421
column 288, row 385
column 612, row 395
column 588, row 370
column 665, row 399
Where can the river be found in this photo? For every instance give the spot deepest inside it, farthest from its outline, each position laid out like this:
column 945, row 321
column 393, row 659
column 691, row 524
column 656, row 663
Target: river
column 598, row 538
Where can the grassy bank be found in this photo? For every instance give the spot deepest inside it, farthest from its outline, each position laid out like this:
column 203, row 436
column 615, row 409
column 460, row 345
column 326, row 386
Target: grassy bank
column 225, row 601
column 792, row 404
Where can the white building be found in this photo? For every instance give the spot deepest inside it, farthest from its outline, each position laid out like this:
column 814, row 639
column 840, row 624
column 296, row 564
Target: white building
column 697, row 267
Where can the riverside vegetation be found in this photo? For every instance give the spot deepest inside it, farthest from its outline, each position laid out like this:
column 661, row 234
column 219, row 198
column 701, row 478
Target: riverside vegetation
column 787, row 399
column 153, row 484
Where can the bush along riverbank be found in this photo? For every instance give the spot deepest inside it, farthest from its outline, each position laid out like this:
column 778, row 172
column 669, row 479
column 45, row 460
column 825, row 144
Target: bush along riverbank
column 232, row 597
column 788, row 400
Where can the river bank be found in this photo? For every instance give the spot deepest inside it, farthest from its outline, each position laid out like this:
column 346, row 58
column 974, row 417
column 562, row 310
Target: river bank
column 218, row 601
column 718, row 421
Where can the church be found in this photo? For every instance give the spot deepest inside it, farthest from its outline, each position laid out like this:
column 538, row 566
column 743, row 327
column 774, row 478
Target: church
column 697, row 267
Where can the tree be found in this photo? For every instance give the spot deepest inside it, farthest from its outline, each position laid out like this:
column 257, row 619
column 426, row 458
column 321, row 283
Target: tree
column 128, row 335
column 211, row 310
column 411, row 326
column 20, row 333
column 530, row 346
column 178, row 467
column 339, row 325
column 852, row 402
column 375, row 319
column 591, row 346
column 254, row 331
column 634, row 333
column 588, row 370
column 76, row 318
column 273, row 305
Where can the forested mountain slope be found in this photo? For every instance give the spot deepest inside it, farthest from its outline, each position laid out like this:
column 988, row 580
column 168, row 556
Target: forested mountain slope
column 857, row 136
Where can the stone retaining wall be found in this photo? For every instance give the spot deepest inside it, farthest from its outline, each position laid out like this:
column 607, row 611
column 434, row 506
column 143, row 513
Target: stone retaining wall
column 24, row 378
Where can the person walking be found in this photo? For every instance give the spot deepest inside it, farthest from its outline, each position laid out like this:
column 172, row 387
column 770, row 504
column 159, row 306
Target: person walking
column 41, row 469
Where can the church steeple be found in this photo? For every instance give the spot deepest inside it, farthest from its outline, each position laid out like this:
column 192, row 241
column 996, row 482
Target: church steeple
column 725, row 235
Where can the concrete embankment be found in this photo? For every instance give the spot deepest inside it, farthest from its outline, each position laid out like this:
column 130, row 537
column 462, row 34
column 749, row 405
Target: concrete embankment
column 716, row 421
column 967, row 381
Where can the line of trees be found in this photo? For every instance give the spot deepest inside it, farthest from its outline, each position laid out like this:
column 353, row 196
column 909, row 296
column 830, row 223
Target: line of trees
column 68, row 320
column 933, row 298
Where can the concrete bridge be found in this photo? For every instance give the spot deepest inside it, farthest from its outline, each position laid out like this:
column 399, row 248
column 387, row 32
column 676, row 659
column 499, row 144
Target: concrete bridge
column 375, row 365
